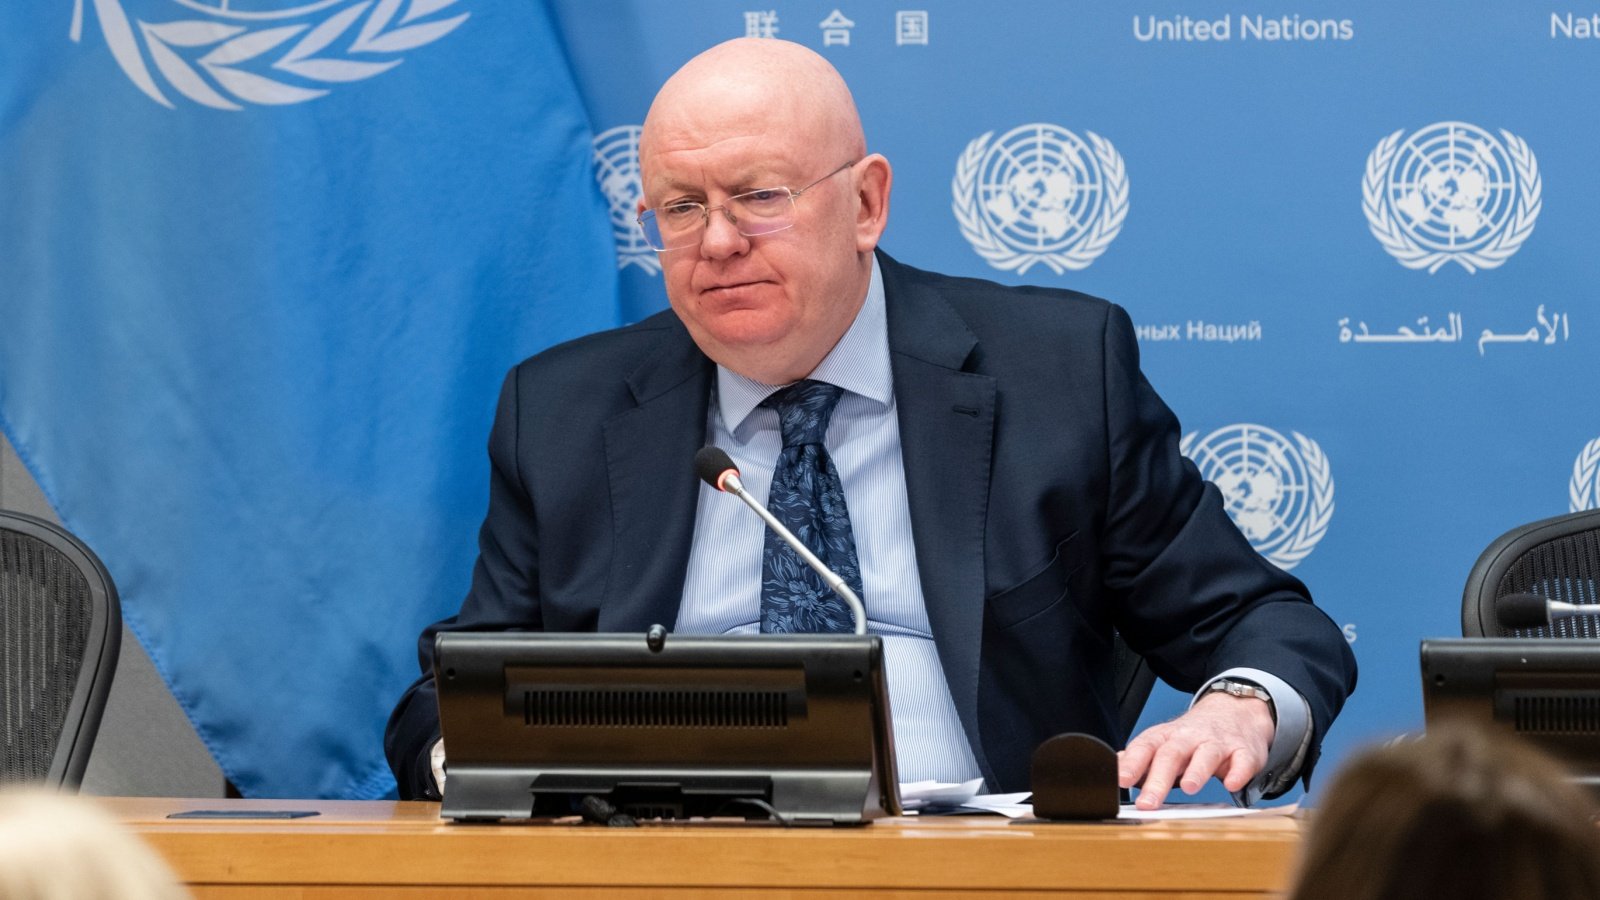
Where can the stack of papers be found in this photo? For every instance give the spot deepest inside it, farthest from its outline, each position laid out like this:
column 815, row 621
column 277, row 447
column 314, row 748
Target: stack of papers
column 941, row 797
column 938, row 795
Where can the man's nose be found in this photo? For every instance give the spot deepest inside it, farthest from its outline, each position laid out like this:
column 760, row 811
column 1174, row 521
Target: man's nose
column 722, row 238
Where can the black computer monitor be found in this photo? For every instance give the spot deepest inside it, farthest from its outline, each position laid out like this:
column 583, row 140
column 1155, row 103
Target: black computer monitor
column 1547, row 691
column 791, row 727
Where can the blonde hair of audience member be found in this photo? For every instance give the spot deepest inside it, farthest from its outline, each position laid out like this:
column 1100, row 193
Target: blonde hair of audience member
column 1463, row 813
column 62, row 847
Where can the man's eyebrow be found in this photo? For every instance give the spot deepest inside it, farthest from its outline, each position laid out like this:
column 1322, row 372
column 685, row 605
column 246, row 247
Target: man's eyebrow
column 753, row 178
column 673, row 184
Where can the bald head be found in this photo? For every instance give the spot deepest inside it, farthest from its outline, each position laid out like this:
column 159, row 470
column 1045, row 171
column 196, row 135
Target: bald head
column 780, row 89
column 767, row 291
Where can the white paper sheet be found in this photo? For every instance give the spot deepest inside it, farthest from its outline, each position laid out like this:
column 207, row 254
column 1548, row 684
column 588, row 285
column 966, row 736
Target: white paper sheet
column 1014, row 806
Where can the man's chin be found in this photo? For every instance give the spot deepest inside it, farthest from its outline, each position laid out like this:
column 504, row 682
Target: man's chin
column 758, row 354
column 747, row 330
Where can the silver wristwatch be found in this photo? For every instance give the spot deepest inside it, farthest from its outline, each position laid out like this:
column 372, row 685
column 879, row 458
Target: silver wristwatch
column 1244, row 689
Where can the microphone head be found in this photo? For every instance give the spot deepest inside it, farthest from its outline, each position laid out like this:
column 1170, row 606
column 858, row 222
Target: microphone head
column 1522, row 611
column 711, row 463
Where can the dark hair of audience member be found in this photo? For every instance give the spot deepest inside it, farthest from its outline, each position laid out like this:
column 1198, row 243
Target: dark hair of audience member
column 1464, row 813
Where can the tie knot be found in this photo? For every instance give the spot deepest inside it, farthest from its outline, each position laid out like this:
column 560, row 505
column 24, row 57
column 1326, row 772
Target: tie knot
column 804, row 409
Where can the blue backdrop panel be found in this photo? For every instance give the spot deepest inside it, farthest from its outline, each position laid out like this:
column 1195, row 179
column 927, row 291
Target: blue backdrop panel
column 263, row 261
column 262, row 268
column 1356, row 237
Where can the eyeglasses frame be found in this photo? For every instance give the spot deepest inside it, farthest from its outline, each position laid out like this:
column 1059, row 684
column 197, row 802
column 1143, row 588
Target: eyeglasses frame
column 706, row 211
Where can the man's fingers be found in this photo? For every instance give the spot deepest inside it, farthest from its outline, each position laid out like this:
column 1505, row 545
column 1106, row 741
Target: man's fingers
column 1133, row 761
column 1152, row 793
column 1168, row 764
column 1202, row 765
column 1210, row 739
column 1237, row 770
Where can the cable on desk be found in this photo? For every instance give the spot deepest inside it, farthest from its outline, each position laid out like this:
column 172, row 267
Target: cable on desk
column 764, row 806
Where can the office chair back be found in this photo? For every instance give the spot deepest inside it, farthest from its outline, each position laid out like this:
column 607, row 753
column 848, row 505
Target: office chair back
column 1556, row 558
column 60, row 630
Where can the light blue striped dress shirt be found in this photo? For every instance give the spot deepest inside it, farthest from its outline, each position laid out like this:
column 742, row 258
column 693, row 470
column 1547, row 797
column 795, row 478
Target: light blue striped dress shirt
column 722, row 590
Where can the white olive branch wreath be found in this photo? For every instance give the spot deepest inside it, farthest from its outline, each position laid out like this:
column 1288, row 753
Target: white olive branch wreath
column 1404, row 248
column 989, row 245
column 1313, row 525
column 1584, row 489
column 218, row 78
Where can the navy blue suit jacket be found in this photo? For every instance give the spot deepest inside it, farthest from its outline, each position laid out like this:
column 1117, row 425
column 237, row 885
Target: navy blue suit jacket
column 1049, row 505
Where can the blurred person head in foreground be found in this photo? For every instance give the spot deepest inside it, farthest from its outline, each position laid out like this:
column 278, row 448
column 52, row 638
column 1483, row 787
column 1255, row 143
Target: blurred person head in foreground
column 1463, row 813
column 62, row 847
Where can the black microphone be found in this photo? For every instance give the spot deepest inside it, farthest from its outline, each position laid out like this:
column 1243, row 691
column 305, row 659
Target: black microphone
column 716, row 468
column 1534, row 611
column 712, row 464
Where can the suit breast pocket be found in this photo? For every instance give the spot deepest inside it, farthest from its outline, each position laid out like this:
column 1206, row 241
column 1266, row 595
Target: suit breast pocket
column 1036, row 592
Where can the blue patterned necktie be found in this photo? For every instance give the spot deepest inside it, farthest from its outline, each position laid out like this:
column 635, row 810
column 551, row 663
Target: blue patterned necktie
column 808, row 498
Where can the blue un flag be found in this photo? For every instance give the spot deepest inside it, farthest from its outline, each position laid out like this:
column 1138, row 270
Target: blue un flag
column 263, row 264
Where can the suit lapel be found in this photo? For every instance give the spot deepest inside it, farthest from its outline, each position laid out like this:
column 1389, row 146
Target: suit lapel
column 946, row 417
column 653, row 491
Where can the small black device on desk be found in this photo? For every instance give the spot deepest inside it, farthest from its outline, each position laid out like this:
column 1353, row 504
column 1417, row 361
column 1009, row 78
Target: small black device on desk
column 1545, row 690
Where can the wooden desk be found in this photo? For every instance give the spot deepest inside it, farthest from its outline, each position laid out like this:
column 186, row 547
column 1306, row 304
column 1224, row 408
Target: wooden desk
column 381, row 849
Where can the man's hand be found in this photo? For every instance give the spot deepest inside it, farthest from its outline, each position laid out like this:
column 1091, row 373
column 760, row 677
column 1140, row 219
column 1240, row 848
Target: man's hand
column 1220, row 735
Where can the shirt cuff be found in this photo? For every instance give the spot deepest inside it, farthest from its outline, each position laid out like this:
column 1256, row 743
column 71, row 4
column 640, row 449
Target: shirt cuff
column 1290, row 741
column 436, row 764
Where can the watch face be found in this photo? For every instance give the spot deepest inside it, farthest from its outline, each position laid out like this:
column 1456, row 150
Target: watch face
column 1246, row 689
column 1241, row 689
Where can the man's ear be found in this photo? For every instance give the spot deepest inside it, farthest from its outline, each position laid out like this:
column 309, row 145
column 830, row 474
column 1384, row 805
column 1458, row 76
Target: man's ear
column 872, row 211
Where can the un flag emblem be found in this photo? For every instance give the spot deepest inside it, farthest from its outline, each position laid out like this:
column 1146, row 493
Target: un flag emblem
column 1040, row 194
column 230, row 54
column 1584, row 489
column 616, row 168
column 1277, row 491
column 1451, row 192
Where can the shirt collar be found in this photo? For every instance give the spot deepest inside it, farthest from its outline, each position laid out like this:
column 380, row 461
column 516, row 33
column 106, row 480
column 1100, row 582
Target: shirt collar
column 859, row 363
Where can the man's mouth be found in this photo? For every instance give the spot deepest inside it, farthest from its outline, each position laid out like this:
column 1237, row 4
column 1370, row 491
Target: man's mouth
column 730, row 289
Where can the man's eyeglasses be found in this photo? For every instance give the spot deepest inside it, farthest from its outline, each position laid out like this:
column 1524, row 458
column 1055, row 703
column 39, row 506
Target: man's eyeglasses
column 753, row 213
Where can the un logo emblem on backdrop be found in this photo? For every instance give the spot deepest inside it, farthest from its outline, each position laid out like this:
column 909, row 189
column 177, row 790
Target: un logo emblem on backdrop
column 1451, row 192
column 616, row 168
column 1040, row 194
column 1278, row 492
column 224, row 53
column 1584, row 488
